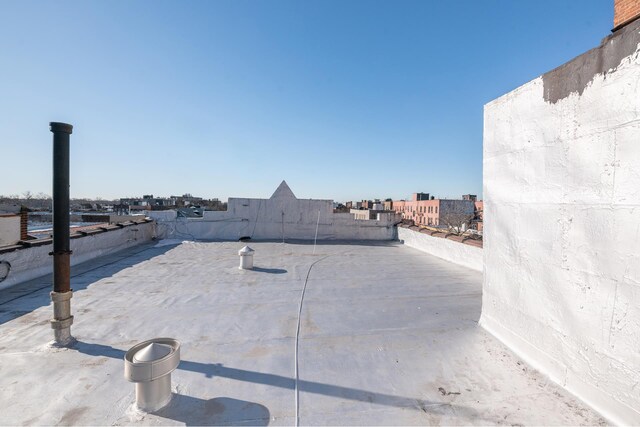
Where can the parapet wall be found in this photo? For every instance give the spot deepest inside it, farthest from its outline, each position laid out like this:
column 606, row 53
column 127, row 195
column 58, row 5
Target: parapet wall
column 215, row 225
column 562, row 208
column 30, row 262
column 9, row 229
column 467, row 255
column 275, row 219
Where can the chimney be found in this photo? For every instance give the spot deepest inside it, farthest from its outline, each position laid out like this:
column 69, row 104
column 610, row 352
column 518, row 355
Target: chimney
column 625, row 11
column 62, row 293
column 24, row 222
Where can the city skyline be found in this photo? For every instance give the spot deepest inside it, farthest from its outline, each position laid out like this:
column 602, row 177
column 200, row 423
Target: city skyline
column 344, row 101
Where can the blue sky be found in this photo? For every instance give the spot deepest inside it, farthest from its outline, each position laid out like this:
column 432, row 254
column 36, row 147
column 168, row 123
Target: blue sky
column 343, row 99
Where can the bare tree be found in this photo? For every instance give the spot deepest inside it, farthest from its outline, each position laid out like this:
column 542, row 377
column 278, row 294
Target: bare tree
column 457, row 215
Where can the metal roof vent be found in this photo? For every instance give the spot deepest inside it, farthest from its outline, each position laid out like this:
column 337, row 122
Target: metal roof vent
column 149, row 364
column 246, row 258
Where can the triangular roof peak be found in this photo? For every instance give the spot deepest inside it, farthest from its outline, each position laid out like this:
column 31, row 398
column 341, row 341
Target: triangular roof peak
column 283, row 192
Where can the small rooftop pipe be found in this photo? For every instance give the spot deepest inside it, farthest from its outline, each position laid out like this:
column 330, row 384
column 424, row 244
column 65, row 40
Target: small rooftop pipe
column 62, row 293
column 246, row 258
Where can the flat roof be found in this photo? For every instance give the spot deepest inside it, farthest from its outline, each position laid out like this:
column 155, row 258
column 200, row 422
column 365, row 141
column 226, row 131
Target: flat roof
column 387, row 335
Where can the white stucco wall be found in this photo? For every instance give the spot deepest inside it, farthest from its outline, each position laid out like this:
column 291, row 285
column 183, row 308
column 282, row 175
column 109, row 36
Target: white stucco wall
column 266, row 223
column 29, row 263
column 456, row 252
column 269, row 219
column 562, row 231
column 9, row 230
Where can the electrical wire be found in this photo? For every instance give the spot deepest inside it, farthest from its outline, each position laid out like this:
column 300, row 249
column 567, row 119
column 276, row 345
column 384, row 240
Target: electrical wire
column 297, row 370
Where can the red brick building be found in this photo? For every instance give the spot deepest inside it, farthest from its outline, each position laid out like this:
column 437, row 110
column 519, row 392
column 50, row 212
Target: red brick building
column 423, row 210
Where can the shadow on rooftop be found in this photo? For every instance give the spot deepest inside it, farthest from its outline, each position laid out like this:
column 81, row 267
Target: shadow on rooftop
column 389, row 243
column 269, row 270
column 193, row 411
column 23, row 298
column 211, row 370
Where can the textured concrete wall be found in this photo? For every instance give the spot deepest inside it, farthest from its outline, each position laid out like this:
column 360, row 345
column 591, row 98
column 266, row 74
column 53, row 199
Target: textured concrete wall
column 266, row 222
column 9, row 230
column 271, row 219
column 456, row 252
column 561, row 231
column 29, row 263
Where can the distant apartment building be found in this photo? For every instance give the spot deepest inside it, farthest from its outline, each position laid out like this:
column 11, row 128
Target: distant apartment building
column 186, row 200
column 478, row 217
column 148, row 202
column 376, row 204
column 373, row 214
column 362, row 214
column 425, row 210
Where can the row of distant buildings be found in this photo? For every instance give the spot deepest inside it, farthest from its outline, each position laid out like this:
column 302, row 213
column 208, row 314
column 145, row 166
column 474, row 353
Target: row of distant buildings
column 425, row 210
column 422, row 209
column 149, row 202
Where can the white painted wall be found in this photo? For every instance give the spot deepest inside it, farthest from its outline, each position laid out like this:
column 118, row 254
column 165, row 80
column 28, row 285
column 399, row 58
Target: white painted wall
column 452, row 251
column 9, row 230
column 269, row 219
column 562, row 234
column 360, row 214
column 29, row 263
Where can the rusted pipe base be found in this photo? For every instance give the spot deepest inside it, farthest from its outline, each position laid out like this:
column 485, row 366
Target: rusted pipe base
column 62, row 319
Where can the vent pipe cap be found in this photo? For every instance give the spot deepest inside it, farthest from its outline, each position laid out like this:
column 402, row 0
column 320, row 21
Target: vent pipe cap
column 246, row 251
column 151, row 352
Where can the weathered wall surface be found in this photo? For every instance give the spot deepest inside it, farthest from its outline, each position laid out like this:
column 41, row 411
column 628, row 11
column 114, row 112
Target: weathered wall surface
column 562, row 215
column 266, row 222
column 9, row 229
column 29, row 263
column 456, row 252
column 283, row 215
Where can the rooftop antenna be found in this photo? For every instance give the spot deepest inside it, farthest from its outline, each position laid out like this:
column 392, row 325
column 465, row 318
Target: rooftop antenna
column 62, row 293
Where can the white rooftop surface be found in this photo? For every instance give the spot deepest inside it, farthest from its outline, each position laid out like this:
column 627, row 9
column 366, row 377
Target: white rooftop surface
column 388, row 335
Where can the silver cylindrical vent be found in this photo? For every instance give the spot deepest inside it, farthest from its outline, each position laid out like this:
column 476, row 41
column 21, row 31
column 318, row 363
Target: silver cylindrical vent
column 149, row 364
column 246, row 258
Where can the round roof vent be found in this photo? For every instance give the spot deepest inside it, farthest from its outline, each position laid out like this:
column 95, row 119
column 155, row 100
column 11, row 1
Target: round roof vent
column 149, row 364
column 246, row 258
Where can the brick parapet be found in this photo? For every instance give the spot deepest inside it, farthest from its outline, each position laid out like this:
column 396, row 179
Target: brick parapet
column 625, row 11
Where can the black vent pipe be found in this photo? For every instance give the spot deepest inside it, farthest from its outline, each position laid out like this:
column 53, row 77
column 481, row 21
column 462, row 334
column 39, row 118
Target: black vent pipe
column 61, row 295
